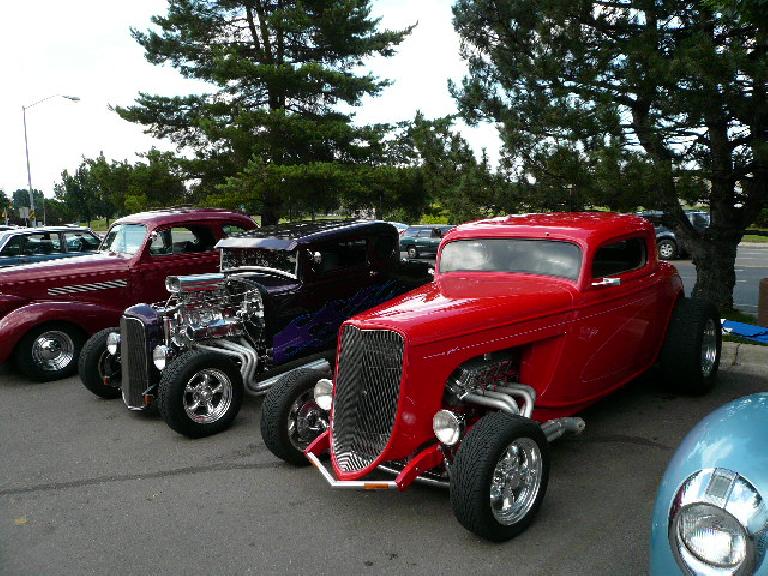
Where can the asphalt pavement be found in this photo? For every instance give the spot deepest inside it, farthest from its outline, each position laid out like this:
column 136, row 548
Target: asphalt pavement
column 88, row 487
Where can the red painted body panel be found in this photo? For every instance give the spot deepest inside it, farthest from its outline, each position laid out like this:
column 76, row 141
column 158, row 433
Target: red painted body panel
column 89, row 317
column 92, row 291
column 578, row 342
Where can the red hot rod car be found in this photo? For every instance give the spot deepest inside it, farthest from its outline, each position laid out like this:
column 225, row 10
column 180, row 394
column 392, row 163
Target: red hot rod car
column 463, row 382
column 47, row 310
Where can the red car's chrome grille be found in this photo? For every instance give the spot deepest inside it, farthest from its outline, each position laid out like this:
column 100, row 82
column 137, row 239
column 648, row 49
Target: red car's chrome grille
column 367, row 389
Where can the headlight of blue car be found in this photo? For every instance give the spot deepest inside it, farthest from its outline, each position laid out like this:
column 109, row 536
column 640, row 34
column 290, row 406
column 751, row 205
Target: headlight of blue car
column 716, row 524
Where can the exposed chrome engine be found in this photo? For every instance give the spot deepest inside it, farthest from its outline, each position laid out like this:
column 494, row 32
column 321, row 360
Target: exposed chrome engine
column 492, row 381
column 221, row 312
column 208, row 306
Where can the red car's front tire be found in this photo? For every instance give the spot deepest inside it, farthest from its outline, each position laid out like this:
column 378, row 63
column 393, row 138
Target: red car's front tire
column 500, row 476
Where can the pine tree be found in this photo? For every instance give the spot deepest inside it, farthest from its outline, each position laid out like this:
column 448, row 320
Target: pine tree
column 283, row 75
column 674, row 90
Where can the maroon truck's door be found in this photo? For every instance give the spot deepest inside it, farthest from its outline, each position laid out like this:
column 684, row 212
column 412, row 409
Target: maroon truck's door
column 174, row 250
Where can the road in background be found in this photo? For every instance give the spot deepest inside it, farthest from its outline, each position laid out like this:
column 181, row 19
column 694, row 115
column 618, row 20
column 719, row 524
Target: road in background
column 751, row 266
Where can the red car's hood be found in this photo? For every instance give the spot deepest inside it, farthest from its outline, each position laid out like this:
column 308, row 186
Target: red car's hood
column 32, row 281
column 460, row 303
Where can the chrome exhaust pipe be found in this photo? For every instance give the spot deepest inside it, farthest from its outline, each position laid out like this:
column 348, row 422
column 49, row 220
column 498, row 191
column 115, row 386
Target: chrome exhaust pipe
column 504, row 404
column 554, row 429
column 243, row 359
column 503, row 398
column 250, row 359
column 525, row 394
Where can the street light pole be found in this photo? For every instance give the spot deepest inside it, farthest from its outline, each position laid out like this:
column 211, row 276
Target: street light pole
column 26, row 151
column 29, row 172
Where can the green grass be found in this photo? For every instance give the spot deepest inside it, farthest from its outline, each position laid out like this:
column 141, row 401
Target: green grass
column 97, row 225
column 739, row 316
column 753, row 238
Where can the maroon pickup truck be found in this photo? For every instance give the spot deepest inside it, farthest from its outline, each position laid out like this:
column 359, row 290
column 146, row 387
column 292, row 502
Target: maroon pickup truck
column 48, row 310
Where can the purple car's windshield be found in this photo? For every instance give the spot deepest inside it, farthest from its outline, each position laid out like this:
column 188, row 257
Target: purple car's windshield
column 547, row 257
column 124, row 238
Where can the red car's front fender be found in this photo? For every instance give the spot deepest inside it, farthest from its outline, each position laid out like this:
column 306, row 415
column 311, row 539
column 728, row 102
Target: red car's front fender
column 87, row 316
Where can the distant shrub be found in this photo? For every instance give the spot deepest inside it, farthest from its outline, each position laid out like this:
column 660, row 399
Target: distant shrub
column 762, row 219
column 428, row 219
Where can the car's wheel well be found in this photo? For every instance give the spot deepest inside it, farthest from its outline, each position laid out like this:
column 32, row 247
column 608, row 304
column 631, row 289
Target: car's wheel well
column 78, row 330
column 65, row 347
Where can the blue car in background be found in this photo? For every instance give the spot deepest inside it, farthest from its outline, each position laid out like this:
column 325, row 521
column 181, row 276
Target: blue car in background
column 423, row 239
column 29, row 245
column 710, row 515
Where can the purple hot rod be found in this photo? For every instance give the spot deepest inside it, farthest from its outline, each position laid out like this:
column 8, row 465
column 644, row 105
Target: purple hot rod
column 275, row 306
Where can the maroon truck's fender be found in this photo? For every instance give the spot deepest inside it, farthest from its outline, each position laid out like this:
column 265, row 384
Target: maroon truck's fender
column 87, row 316
column 8, row 302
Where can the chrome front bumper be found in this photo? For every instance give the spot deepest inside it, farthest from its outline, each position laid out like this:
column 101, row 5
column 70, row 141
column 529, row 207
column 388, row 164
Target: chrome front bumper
column 352, row 484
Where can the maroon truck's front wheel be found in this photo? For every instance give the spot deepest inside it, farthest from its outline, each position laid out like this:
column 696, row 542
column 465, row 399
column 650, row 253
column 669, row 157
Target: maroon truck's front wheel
column 49, row 352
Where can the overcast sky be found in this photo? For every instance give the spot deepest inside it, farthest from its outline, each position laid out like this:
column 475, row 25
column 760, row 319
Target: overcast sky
column 83, row 48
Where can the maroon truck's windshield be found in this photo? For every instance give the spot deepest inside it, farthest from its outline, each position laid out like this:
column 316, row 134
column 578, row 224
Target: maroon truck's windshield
column 124, row 238
column 547, row 257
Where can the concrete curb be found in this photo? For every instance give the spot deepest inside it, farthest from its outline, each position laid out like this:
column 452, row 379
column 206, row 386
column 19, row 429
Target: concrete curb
column 753, row 244
column 735, row 355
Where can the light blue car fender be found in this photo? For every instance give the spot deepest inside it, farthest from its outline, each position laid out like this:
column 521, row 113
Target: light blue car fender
column 711, row 501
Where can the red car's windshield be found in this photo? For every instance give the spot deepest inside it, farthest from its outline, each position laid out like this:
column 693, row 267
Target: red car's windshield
column 547, row 257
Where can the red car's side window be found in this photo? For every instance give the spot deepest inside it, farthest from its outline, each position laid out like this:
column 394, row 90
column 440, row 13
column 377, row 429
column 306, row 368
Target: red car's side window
column 619, row 257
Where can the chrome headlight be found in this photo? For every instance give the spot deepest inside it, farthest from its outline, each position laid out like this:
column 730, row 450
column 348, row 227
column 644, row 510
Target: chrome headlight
column 159, row 356
column 113, row 343
column 714, row 522
column 447, row 427
column 324, row 394
column 712, row 535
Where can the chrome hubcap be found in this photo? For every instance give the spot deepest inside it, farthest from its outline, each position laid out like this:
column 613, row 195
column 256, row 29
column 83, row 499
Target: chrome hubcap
column 709, row 348
column 306, row 421
column 666, row 250
column 207, row 396
column 516, row 481
column 53, row 350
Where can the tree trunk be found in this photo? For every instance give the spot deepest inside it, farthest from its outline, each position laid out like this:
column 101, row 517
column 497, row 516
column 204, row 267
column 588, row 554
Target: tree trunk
column 715, row 261
column 270, row 211
column 269, row 217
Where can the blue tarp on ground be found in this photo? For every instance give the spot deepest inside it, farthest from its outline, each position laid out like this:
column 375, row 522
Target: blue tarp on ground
column 748, row 331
